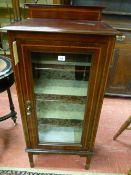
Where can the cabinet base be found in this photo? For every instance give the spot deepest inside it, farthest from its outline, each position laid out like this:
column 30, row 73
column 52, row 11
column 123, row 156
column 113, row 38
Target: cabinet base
column 86, row 154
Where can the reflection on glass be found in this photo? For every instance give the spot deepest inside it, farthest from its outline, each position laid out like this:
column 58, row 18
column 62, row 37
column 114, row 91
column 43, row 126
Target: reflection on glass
column 60, row 87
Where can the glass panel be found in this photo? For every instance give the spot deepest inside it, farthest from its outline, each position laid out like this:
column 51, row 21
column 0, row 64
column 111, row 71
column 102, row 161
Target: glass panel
column 60, row 87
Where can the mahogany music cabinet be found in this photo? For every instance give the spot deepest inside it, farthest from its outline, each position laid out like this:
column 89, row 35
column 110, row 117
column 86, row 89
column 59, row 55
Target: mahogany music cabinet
column 61, row 57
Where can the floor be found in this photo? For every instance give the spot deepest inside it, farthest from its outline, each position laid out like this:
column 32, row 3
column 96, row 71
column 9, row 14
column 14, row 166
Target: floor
column 109, row 156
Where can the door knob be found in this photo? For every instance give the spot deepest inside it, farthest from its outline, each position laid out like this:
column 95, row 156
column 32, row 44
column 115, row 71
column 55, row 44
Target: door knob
column 28, row 108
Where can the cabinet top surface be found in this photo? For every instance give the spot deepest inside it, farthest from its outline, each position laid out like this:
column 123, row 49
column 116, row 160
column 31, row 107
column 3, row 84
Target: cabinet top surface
column 62, row 26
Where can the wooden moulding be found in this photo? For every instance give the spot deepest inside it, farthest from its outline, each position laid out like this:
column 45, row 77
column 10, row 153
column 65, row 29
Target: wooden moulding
column 70, row 152
column 92, row 13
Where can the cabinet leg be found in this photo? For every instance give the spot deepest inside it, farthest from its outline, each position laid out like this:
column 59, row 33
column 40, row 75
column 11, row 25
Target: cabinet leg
column 30, row 156
column 88, row 160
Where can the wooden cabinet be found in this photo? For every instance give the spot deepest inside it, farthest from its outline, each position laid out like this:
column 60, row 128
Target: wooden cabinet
column 118, row 15
column 61, row 67
column 119, row 80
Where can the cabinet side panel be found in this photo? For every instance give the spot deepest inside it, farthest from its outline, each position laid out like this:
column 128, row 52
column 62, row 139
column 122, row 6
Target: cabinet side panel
column 97, row 99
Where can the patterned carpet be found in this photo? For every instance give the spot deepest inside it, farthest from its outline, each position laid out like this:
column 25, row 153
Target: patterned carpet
column 32, row 171
column 13, row 172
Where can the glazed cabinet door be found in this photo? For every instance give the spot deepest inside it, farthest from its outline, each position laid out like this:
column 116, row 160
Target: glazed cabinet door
column 59, row 86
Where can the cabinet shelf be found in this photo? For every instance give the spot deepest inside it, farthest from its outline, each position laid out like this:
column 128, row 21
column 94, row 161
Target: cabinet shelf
column 59, row 134
column 64, row 63
column 60, row 115
column 68, row 59
column 60, row 110
column 62, row 68
column 61, row 98
column 61, row 87
column 61, row 122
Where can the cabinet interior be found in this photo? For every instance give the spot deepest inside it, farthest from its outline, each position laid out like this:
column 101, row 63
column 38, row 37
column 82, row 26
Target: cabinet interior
column 60, row 87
